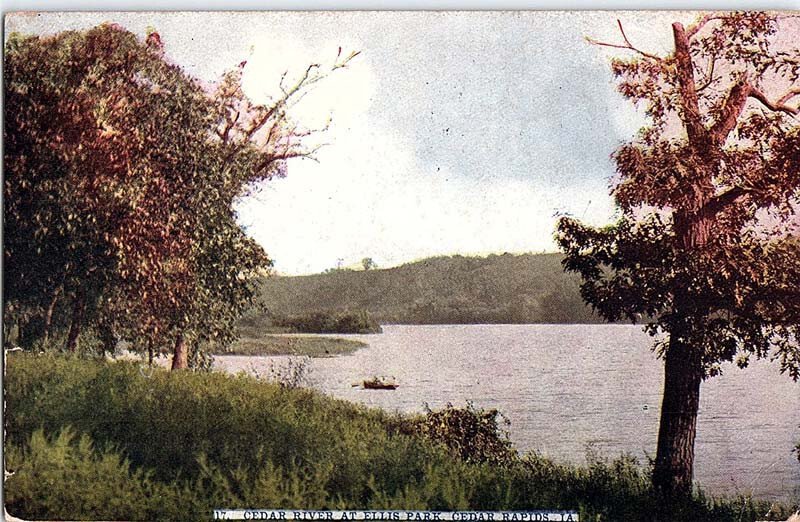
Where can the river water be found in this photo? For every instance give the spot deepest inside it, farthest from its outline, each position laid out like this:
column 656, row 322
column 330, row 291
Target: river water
column 570, row 390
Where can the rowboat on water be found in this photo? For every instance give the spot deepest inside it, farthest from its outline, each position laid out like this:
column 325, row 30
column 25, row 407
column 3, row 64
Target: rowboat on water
column 377, row 383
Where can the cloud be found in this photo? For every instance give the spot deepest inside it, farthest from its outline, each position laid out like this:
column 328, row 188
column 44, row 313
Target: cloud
column 452, row 132
column 469, row 140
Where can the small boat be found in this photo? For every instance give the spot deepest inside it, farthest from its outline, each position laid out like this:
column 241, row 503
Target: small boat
column 379, row 384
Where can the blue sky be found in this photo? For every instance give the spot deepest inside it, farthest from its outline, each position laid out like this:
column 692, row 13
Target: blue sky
column 451, row 132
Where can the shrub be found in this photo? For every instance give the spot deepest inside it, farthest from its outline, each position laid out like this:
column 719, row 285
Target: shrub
column 326, row 322
column 64, row 477
column 471, row 434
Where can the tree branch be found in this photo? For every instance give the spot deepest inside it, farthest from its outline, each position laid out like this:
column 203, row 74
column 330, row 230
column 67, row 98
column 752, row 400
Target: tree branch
column 780, row 105
column 697, row 26
column 685, row 70
column 627, row 45
column 231, row 123
column 732, row 108
column 735, row 103
column 709, row 76
column 726, row 199
column 305, row 80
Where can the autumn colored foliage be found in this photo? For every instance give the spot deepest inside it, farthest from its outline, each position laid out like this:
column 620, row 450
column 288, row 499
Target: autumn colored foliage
column 705, row 251
column 121, row 172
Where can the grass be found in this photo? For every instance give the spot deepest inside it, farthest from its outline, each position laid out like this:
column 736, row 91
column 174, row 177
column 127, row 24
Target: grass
column 292, row 345
column 92, row 439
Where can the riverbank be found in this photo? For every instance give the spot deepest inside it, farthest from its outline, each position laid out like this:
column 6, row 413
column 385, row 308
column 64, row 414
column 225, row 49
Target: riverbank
column 292, row 345
column 81, row 445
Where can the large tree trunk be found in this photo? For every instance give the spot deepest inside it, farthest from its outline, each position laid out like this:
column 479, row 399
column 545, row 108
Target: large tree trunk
column 180, row 356
column 76, row 324
column 683, row 373
column 683, row 366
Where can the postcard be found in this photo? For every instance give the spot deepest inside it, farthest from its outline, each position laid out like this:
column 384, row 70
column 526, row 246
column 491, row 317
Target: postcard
column 401, row 265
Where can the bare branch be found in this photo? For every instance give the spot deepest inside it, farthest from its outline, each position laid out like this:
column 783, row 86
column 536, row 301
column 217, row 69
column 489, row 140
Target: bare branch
column 270, row 134
column 789, row 95
column 286, row 154
column 685, row 72
column 780, row 105
column 280, row 83
column 697, row 26
column 709, row 76
column 274, row 117
column 346, row 61
column 305, row 80
column 627, row 44
column 231, row 124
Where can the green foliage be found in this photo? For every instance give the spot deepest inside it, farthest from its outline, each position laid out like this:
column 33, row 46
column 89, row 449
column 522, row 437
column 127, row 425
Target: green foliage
column 500, row 289
column 104, row 170
column 635, row 271
column 230, row 419
column 324, row 322
column 93, row 439
column 472, row 435
column 65, row 477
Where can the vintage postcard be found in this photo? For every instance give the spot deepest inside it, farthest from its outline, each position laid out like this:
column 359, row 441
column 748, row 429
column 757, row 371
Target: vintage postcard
column 506, row 266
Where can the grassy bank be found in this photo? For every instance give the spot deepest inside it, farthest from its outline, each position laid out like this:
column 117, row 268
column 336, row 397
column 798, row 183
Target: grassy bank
column 292, row 345
column 113, row 440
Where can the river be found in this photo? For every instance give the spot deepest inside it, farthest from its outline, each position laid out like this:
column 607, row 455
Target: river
column 569, row 390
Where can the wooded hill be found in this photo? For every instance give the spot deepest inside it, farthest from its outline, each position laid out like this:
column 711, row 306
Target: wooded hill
column 508, row 288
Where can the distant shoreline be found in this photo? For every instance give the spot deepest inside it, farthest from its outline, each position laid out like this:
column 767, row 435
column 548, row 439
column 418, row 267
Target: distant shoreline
column 290, row 344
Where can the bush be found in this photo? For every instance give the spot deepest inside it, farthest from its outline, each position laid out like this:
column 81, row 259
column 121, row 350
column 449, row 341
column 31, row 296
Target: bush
column 326, row 322
column 472, row 435
column 64, row 477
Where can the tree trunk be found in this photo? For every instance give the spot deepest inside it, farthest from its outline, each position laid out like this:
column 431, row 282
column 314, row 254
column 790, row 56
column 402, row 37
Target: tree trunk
column 76, row 324
column 683, row 373
column 108, row 338
column 48, row 316
column 683, row 366
column 180, row 356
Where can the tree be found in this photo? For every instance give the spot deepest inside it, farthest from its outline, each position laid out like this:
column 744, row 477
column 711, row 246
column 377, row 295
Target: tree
column 121, row 176
column 251, row 143
column 704, row 251
column 103, row 158
column 368, row 263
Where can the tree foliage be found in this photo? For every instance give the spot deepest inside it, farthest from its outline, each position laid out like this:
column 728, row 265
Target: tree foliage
column 705, row 251
column 121, row 176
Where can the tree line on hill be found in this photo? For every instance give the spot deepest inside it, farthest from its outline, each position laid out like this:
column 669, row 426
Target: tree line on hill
column 498, row 289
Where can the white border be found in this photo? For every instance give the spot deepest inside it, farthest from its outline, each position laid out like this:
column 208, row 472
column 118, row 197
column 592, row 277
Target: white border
column 305, row 5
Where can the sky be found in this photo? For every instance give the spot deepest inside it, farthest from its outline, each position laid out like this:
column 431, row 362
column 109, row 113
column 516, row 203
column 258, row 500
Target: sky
column 451, row 133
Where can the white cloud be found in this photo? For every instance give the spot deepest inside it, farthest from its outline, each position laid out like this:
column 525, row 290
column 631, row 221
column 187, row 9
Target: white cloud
column 451, row 133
